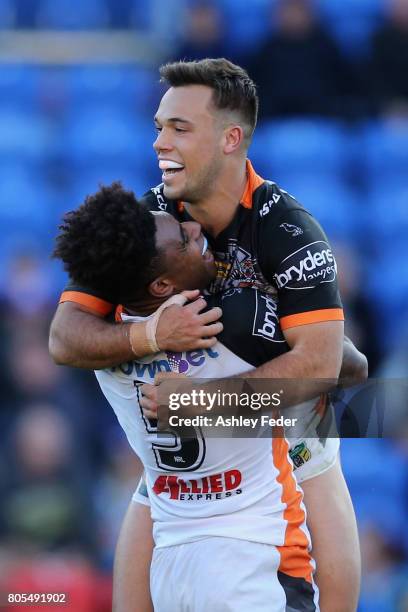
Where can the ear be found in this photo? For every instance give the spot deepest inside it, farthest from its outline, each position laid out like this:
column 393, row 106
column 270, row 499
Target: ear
column 161, row 287
column 234, row 136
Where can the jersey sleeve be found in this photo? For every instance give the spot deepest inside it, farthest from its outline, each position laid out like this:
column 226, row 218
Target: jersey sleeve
column 296, row 257
column 88, row 298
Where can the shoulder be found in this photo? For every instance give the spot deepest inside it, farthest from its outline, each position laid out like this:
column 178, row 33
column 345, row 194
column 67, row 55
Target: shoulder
column 287, row 232
column 274, row 205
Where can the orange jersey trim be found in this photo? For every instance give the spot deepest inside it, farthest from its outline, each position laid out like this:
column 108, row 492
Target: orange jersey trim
column 295, row 559
column 314, row 316
column 118, row 313
column 90, row 302
column 253, row 182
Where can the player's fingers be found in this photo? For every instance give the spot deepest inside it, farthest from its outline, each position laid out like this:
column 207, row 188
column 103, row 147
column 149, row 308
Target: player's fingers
column 191, row 295
column 203, row 343
column 149, row 392
column 148, row 404
column 150, row 414
column 211, row 315
column 196, row 306
column 211, row 330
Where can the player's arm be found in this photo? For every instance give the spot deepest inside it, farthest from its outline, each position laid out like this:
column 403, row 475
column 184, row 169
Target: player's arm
column 302, row 267
column 354, row 366
column 315, row 354
column 81, row 337
column 297, row 260
column 316, row 351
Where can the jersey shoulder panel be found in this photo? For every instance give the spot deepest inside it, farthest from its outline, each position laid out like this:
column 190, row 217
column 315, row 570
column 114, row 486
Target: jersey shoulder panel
column 283, row 227
column 270, row 202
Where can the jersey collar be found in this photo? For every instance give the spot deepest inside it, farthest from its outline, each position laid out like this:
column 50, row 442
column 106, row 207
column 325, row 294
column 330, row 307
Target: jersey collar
column 252, row 183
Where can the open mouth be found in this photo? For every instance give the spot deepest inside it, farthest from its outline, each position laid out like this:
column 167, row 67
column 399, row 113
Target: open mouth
column 170, row 167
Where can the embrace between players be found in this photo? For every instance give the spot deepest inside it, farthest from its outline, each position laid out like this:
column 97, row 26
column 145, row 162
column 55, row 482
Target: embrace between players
column 227, row 515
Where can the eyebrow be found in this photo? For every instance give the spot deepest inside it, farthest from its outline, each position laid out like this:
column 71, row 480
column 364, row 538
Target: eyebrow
column 174, row 120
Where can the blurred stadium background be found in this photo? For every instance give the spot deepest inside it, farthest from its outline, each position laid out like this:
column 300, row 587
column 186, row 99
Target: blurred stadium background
column 78, row 88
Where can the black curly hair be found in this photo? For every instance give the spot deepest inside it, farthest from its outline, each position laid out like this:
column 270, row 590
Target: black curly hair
column 108, row 244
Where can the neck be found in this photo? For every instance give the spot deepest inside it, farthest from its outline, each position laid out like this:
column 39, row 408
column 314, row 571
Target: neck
column 144, row 307
column 216, row 211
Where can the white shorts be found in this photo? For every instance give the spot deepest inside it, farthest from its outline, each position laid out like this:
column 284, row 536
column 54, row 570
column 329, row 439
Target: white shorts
column 226, row 575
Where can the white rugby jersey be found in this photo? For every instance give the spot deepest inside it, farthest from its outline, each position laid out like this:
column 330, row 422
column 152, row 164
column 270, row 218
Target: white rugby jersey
column 206, row 486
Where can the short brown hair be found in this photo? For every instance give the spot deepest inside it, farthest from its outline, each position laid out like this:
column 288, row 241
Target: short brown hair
column 232, row 88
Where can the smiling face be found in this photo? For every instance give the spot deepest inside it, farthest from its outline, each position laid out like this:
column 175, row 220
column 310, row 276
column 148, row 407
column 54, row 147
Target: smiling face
column 189, row 143
column 187, row 261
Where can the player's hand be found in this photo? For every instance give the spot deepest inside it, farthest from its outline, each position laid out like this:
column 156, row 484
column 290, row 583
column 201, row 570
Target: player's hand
column 150, row 393
column 354, row 367
column 185, row 328
column 149, row 401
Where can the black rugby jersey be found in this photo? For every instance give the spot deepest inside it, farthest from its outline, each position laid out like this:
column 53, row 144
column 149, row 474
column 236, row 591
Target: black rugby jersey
column 272, row 244
column 251, row 326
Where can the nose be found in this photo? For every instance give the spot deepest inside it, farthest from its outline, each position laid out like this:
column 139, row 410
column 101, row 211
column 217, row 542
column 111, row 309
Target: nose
column 162, row 142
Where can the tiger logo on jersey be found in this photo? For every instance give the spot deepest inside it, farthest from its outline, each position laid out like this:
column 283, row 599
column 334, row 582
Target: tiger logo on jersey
column 238, row 269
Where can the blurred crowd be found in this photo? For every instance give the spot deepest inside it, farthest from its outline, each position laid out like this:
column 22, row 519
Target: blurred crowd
column 333, row 131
